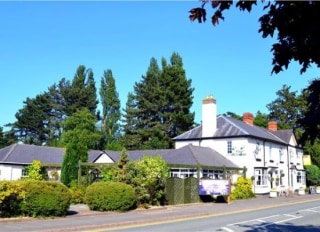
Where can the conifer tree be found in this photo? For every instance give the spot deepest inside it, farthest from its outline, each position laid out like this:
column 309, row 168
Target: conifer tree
column 79, row 135
column 130, row 138
column 159, row 108
column 33, row 120
column 80, row 93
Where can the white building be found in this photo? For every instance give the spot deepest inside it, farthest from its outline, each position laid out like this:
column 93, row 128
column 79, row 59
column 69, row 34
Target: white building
column 272, row 157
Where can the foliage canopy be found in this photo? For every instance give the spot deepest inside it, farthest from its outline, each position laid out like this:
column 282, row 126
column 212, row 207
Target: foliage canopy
column 296, row 24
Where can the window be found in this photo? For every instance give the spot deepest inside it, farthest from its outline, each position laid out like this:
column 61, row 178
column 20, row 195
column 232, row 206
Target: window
column 24, row 172
column 281, row 155
column 301, row 177
column 270, row 153
column 291, row 156
column 183, row 172
column 256, row 152
column 261, row 177
column 214, row 174
column 229, row 147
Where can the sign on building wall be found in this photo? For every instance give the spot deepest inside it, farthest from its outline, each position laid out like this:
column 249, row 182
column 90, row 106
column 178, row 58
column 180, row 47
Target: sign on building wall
column 214, row 187
column 306, row 160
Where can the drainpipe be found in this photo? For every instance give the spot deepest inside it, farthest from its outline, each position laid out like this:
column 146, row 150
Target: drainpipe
column 264, row 153
column 289, row 169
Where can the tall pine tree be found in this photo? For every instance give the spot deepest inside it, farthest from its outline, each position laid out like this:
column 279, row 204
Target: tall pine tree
column 80, row 93
column 33, row 120
column 177, row 98
column 130, row 138
column 110, row 122
column 159, row 108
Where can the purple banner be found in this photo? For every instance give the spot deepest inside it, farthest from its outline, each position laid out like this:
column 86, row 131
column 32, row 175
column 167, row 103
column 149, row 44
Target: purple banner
column 214, row 187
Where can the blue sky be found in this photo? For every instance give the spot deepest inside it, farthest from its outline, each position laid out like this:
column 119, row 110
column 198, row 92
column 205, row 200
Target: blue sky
column 42, row 42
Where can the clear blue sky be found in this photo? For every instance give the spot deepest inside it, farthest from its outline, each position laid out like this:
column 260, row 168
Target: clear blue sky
column 42, row 42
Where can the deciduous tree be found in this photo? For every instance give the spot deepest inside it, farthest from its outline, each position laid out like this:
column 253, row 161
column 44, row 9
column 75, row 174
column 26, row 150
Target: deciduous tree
column 295, row 23
column 110, row 121
column 287, row 108
column 81, row 128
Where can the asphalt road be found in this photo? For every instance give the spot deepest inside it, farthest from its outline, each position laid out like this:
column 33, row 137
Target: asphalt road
column 82, row 219
column 298, row 217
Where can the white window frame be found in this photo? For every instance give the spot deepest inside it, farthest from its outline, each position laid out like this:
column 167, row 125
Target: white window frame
column 261, row 176
column 301, row 177
column 213, row 174
column 270, row 152
column 183, row 172
column 281, row 155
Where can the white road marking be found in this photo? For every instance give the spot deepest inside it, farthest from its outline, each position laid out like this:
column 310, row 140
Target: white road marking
column 226, row 229
column 287, row 217
column 291, row 217
column 253, row 220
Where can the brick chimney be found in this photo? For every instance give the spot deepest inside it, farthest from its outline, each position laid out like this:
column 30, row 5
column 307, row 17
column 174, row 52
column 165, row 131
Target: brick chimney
column 248, row 118
column 209, row 116
column 273, row 126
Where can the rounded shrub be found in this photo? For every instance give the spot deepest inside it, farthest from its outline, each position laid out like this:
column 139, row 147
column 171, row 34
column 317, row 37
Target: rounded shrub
column 46, row 199
column 243, row 189
column 110, row 196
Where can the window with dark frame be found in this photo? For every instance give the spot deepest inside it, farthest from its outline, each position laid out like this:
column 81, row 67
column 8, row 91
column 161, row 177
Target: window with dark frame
column 229, row 146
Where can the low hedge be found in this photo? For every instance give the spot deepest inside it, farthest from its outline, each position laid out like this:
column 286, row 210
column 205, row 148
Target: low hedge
column 110, row 196
column 34, row 198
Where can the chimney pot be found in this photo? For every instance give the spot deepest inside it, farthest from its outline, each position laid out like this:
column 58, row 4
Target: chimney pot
column 273, row 126
column 248, row 118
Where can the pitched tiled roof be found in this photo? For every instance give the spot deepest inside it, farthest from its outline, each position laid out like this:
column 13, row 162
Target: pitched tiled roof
column 135, row 154
column 230, row 127
column 188, row 155
column 25, row 154
column 203, row 156
column 285, row 135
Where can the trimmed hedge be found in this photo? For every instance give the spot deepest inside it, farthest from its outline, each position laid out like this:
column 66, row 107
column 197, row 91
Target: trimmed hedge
column 11, row 197
column 110, row 196
column 46, row 199
column 34, row 198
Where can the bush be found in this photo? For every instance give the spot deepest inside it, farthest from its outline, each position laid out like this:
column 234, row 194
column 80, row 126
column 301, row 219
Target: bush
column 46, row 199
column 243, row 189
column 11, row 197
column 33, row 198
column 110, row 196
column 78, row 193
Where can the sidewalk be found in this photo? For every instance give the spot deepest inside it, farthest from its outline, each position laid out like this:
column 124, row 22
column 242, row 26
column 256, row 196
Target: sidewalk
column 260, row 201
column 80, row 218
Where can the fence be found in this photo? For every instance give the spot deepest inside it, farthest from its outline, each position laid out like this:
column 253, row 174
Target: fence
column 182, row 191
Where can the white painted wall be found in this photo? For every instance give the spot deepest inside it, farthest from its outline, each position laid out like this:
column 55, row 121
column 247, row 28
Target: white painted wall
column 10, row 172
column 104, row 159
column 255, row 153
